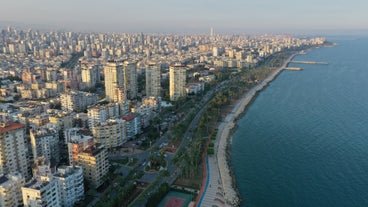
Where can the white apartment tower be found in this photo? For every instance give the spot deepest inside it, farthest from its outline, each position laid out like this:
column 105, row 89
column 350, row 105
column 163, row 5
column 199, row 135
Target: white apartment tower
column 177, row 81
column 13, row 149
column 153, row 80
column 70, row 180
column 114, row 78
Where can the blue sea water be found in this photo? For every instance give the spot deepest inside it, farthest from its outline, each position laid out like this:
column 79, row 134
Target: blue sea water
column 304, row 140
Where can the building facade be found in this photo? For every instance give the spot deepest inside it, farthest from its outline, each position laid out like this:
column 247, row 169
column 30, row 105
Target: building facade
column 13, row 149
column 71, row 187
column 153, row 80
column 131, row 79
column 10, row 190
column 177, row 81
column 77, row 100
column 90, row 75
column 111, row 133
column 114, row 79
column 95, row 164
column 45, row 143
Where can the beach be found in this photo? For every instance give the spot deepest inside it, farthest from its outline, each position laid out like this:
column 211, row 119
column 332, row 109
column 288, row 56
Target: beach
column 224, row 133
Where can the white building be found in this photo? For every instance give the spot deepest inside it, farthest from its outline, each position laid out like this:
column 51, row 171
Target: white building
column 13, row 149
column 10, row 190
column 78, row 100
column 71, row 187
column 102, row 113
column 194, row 88
column 90, row 75
column 133, row 125
column 41, row 192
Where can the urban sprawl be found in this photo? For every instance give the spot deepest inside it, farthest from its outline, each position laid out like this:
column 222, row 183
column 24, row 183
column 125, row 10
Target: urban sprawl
column 82, row 113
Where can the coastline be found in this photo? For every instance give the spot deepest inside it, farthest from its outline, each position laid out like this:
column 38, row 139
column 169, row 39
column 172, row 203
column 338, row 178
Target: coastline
column 228, row 126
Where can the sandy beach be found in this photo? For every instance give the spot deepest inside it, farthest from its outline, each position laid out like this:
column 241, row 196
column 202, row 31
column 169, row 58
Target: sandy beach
column 224, row 132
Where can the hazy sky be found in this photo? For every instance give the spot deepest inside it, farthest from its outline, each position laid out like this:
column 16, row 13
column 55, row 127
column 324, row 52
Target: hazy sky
column 191, row 16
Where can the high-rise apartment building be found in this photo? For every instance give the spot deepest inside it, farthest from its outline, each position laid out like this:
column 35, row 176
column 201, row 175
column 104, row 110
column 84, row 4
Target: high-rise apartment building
column 95, row 164
column 13, row 149
column 177, row 81
column 71, row 187
column 130, row 79
column 45, row 143
column 153, row 80
column 114, row 79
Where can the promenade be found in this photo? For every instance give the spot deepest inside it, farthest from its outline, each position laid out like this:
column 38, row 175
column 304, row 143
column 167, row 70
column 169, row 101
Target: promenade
column 219, row 188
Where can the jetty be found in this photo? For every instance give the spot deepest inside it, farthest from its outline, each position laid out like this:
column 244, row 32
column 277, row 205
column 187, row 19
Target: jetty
column 293, row 68
column 309, row 62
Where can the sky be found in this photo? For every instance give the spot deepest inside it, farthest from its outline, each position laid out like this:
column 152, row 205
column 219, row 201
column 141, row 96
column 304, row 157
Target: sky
column 190, row 16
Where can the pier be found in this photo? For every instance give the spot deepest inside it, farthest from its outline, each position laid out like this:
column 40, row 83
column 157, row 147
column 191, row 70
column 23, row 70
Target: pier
column 309, row 62
column 293, row 68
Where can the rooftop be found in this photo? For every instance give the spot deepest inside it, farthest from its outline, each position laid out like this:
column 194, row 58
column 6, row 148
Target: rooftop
column 9, row 126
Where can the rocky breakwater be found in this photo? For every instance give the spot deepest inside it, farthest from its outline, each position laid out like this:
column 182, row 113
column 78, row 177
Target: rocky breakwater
column 231, row 195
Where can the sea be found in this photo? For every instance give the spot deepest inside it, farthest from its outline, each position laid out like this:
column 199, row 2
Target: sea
column 303, row 142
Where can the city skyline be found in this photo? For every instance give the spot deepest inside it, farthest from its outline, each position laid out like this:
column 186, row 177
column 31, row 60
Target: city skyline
column 265, row 16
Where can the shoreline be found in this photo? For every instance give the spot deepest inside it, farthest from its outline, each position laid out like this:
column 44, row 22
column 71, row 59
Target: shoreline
column 226, row 129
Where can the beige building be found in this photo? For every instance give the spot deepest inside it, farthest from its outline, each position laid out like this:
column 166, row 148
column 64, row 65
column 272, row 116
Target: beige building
column 114, row 78
column 111, row 133
column 10, row 190
column 95, row 164
column 153, row 80
column 13, row 149
column 177, row 81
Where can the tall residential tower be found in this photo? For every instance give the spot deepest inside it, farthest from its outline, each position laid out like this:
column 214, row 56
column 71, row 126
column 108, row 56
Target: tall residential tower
column 114, row 79
column 177, row 81
column 153, row 80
